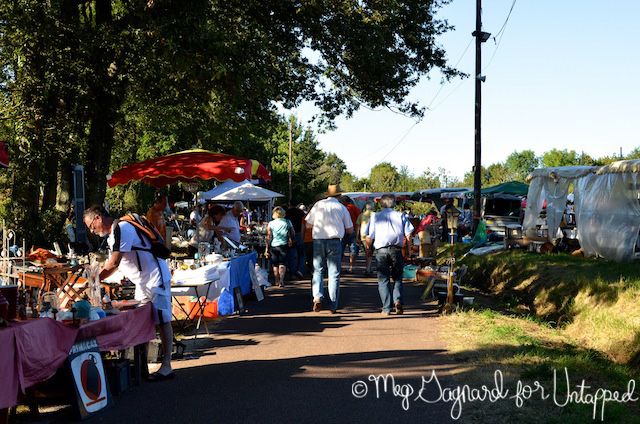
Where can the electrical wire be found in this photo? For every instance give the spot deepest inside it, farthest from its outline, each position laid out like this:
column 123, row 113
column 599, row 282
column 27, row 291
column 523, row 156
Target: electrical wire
column 500, row 34
column 455, row 66
column 404, row 136
column 400, row 141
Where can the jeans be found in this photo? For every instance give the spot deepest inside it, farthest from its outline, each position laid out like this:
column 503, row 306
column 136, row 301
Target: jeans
column 295, row 258
column 326, row 255
column 389, row 265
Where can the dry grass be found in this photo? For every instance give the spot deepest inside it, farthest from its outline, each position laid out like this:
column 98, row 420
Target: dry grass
column 528, row 351
column 595, row 302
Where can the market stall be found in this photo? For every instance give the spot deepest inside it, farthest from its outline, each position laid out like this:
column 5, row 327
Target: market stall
column 34, row 349
column 608, row 212
column 501, row 203
column 549, row 188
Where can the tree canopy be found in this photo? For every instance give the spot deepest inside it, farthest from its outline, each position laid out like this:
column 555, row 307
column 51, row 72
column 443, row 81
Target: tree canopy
column 103, row 83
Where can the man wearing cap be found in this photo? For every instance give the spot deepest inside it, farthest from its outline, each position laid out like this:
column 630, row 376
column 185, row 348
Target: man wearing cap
column 387, row 233
column 329, row 221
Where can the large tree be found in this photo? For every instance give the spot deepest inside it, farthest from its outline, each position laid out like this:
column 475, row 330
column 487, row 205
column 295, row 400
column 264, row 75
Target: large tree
column 520, row 164
column 384, row 177
column 557, row 157
column 104, row 82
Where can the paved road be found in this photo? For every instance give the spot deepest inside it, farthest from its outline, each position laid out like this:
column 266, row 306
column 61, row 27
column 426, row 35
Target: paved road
column 280, row 362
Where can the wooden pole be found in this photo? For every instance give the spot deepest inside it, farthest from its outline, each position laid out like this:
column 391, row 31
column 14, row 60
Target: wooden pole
column 290, row 159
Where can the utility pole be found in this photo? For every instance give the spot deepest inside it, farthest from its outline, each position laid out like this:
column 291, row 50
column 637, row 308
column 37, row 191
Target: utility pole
column 290, row 158
column 481, row 37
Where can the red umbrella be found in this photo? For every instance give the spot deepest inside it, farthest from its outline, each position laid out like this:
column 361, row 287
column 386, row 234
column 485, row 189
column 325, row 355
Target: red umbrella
column 187, row 166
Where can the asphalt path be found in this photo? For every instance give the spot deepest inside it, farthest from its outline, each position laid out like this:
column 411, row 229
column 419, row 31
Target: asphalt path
column 281, row 362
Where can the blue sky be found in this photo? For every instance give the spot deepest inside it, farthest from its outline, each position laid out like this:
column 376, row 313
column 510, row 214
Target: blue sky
column 565, row 75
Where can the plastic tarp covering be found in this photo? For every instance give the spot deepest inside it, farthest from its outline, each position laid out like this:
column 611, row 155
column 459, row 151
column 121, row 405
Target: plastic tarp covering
column 570, row 172
column 608, row 214
column 552, row 185
column 632, row 165
column 535, row 201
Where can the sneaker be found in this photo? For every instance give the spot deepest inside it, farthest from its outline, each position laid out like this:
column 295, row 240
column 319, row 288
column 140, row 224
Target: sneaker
column 399, row 309
column 317, row 306
column 333, row 311
column 385, row 313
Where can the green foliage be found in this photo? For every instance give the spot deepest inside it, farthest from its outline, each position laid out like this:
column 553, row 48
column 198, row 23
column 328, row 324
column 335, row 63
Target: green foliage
column 520, row 164
column 105, row 83
column 420, row 208
column 384, row 177
column 350, row 182
column 556, row 157
column 330, row 170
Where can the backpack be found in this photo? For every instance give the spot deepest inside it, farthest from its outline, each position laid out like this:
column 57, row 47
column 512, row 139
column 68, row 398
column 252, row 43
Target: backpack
column 145, row 228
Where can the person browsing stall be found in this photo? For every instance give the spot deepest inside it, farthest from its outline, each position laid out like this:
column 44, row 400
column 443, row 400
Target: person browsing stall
column 350, row 239
column 155, row 215
column 330, row 222
column 361, row 227
column 129, row 253
column 388, row 232
column 280, row 236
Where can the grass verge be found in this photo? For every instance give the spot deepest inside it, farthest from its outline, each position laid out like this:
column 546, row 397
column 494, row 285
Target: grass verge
column 593, row 301
column 528, row 351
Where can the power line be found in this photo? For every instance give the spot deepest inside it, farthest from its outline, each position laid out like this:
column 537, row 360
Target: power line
column 401, row 140
column 500, row 34
column 455, row 66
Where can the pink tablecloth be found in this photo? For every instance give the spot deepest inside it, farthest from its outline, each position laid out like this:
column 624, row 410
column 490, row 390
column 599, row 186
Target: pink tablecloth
column 32, row 351
column 121, row 331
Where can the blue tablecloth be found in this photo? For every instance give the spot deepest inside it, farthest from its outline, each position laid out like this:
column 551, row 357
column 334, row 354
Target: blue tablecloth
column 239, row 272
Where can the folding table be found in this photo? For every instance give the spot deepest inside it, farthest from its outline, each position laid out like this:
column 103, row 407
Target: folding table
column 200, row 304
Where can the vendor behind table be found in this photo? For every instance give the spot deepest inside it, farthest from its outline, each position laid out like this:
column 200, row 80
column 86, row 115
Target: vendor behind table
column 207, row 230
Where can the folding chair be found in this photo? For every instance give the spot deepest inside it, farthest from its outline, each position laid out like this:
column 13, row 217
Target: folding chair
column 73, row 287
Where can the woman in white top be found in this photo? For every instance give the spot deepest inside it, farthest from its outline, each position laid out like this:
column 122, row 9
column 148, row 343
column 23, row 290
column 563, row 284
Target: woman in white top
column 207, row 228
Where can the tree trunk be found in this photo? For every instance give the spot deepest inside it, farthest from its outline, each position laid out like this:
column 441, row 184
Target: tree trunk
column 101, row 141
column 50, row 183
column 108, row 93
column 63, row 199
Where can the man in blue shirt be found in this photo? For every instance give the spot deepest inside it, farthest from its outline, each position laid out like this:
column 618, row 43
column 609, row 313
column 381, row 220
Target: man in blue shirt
column 387, row 232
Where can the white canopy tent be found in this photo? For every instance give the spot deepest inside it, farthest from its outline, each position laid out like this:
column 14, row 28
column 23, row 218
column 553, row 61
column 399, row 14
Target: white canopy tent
column 218, row 190
column 244, row 191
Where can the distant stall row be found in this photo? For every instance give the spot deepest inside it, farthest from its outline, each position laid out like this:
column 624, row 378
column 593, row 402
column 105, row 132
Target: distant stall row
column 595, row 206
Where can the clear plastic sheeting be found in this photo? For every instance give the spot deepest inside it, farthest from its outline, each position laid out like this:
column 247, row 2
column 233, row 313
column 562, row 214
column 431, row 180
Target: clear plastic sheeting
column 568, row 172
column 535, row 201
column 555, row 193
column 552, row 185
column 621, row 166
column 608, row 213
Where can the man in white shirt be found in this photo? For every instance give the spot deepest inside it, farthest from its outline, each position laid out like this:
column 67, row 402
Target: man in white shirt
column 388, row 232
column 230, row 223
column 329, row 221
column 131, row 255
